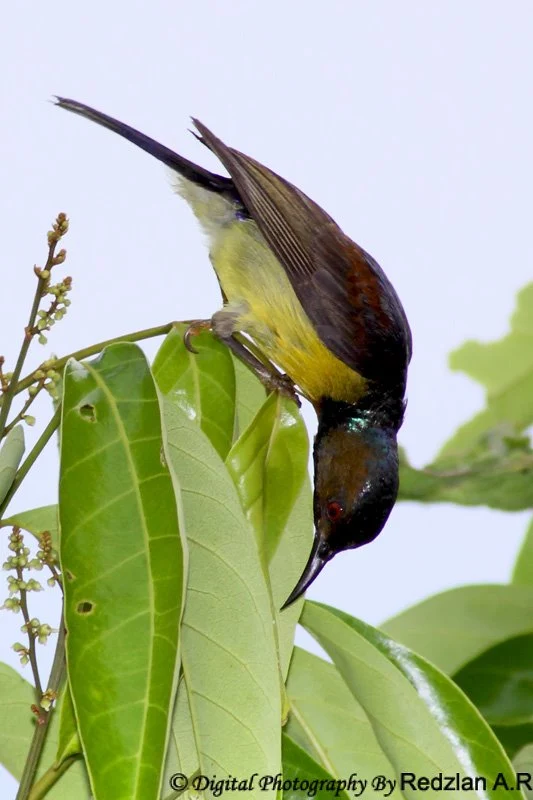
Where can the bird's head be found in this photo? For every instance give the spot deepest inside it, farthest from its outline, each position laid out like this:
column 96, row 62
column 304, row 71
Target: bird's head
column 356, row 484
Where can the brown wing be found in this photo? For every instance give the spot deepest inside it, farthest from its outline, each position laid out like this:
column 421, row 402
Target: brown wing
column 345, row 293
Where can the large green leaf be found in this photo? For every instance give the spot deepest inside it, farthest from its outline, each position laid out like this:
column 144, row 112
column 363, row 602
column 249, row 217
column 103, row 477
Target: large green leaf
column 452, row 628
column 202, row 383
column 229, row 655
column 268, row 464
column 505, row 368
column 17, row 724
column 523, row 568
column 37, row 521
column 305, row 777
column 423, row 722
column 121, row 556
column 500, row 681
column 328, row 722
column 11, row 452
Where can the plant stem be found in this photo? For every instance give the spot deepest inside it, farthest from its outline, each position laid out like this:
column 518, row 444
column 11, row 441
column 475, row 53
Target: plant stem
column 22, row 413
column 59, row 363
column 30, row 460
column 29, row 332
column 49, row 778
column 31, row 636
column 28, row 336
column 43, row 720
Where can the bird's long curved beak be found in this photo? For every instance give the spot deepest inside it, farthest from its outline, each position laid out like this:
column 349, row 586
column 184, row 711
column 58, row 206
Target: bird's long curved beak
column 320, row 555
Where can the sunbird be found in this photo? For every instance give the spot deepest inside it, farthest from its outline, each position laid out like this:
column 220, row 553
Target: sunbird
column 313, row 304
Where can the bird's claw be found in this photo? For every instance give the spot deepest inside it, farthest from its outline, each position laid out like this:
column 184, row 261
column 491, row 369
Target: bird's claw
column 196, row 327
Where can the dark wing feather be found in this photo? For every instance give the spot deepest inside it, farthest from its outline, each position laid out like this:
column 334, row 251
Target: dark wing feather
column 345, row 293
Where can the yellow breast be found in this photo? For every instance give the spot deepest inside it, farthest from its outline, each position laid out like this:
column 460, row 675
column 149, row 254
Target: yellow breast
column 256, row 284
column 257, row 288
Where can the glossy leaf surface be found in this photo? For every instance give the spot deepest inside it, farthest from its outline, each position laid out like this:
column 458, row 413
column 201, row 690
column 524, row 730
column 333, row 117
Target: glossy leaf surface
column 422, row 721
column 121, row 555
column 202, row 384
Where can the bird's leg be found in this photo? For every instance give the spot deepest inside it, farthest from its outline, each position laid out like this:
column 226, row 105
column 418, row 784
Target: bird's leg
column 222, row 324
column 270, row 377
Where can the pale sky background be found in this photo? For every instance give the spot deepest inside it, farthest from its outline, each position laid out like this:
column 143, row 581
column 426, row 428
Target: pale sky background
column 410, row 123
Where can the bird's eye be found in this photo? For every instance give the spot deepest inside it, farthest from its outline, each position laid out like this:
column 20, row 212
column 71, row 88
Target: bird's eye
column 334, row 511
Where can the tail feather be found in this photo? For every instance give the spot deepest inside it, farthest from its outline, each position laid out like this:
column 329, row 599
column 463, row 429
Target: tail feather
column 193, row 172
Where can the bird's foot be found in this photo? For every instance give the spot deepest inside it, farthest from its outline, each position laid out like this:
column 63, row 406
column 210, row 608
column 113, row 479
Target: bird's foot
column 196, row 327
column 278, row 382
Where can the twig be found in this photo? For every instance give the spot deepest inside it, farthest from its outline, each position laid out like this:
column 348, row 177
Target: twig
column 32, row 654
column 59, row 363
column 42, row 283
column 22, row 413
column 43, row 720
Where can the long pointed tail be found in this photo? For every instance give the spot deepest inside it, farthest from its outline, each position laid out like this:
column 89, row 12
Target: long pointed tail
column 193, row 172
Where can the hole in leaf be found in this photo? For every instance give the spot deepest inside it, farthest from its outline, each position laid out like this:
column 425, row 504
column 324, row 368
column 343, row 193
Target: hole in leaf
column 86, row 607
column 88, row 412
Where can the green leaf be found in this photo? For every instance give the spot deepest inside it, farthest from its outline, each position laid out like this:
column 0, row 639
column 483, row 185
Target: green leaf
column 505, row 369
column 494, row 480
column 285, row 470
column 424, row 724
column 229, row 655
column 17, row 724
column 328, row 722
column 250, row 396
column 452, row 628
column 69, row 740
column 122, row 560
column 489, row 461
column 268, row 464
column 307, row 776
column 11, row 454
column 514, row 737
column 523, row 568
column 523, row 763
column 499, row 681
column 285, row 568
column 202, row 384
column 37, row 521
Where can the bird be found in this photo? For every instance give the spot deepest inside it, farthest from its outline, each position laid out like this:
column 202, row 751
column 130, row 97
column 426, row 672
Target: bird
column 320, row 319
